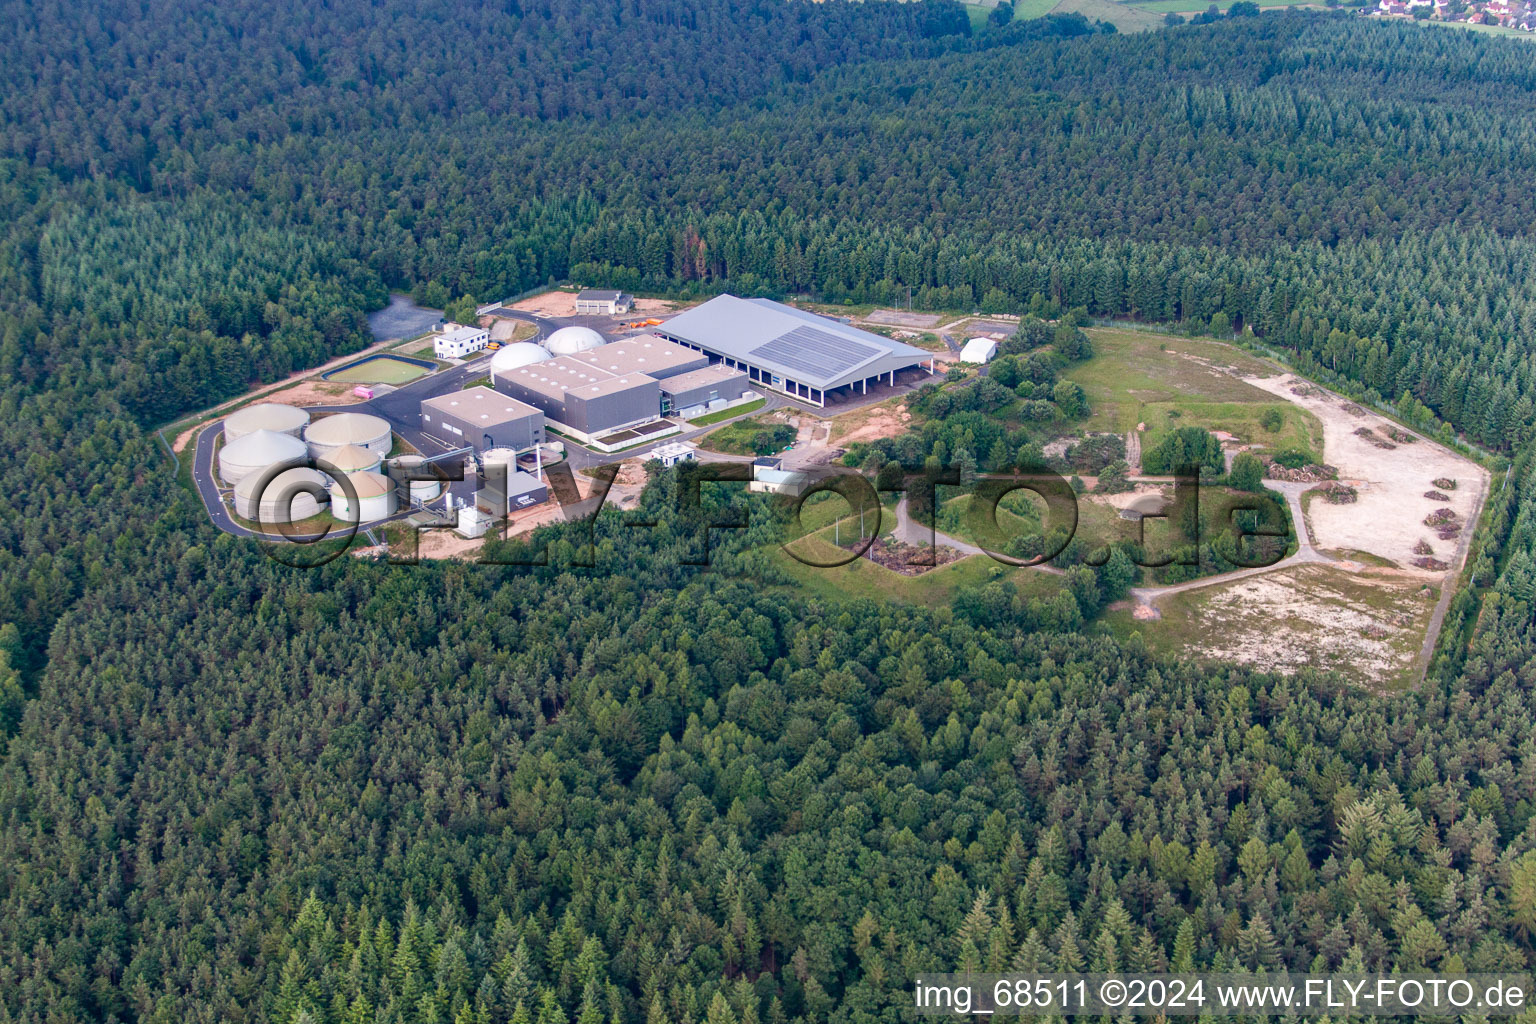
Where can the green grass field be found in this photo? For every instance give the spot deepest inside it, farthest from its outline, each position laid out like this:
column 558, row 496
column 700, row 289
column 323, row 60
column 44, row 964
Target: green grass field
column 735, row 438
column 862, row 578
column 1299, row 429
column 1139, row 377
column 1123, row 16
column 978, row 15
column 380, row 370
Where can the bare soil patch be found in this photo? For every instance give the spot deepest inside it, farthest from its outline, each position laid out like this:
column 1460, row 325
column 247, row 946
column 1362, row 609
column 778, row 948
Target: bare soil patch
column 870, row 423
column 906, row 559
column 559, row 303
column 1388, row 518
column 1367, row 625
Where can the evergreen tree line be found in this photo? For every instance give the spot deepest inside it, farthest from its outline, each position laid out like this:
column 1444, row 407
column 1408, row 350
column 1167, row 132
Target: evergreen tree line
column 233, row 791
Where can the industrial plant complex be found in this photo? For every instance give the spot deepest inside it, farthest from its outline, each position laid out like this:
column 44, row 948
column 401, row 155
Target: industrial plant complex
column 279, row 463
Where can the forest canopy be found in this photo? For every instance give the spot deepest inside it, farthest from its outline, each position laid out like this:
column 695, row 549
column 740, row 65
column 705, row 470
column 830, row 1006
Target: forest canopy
column 234, row 791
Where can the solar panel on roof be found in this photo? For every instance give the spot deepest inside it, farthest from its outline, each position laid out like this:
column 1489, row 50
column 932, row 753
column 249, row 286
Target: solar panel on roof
column 815, row 352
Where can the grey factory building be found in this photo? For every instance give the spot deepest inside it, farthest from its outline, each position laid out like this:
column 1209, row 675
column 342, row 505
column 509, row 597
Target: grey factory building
column 699, row 391
column 482, row 418
column 604, row 389
column 809, row 357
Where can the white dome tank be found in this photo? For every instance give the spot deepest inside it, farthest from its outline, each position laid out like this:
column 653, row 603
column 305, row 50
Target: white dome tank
column 350, row 458
column 405, row 466
column 568, row 341
column 375, row 498
column 516, row 356
column 258, row 450
column 288, row 497
column 273, row 416
column 344, row 428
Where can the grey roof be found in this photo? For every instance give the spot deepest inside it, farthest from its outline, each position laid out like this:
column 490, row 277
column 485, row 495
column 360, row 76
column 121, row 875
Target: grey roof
column 714, row 374
column 480, row 404
column 567, row 375
column 598, row 295
column 644, row 353
column 804, row 347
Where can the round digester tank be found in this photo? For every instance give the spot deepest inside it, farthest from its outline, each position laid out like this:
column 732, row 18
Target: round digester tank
column 288, row 497
column 515, row 356
column 350, row 458
column 375, row 498
column 258, row 450
column 568, row 341
column 273, row 416
column 359, row 428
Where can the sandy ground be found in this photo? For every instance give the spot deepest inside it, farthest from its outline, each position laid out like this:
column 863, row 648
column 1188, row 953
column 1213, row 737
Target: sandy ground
column 1124, row 499
column 1388, row 520
column 870, row 424
column 1313, row 616
column 564, row 304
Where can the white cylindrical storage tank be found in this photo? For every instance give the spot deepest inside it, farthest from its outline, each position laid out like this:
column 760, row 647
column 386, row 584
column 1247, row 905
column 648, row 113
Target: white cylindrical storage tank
column 499, row 456
column 344, row 428
column 278, row 418
column 349, row 458
column 258, row 451
column 405, row 466
column 288, row 497
column 516, row 356
column 375, row 498
column 570, row 340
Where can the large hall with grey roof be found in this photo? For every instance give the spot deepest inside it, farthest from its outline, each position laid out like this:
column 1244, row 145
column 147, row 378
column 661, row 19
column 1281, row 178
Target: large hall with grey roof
column 806, row 356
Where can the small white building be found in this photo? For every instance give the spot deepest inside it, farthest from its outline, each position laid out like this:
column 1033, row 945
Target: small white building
column 456, row 341
column 978, row 350
column 596, row 302
column 770, row 477
column 675, row 452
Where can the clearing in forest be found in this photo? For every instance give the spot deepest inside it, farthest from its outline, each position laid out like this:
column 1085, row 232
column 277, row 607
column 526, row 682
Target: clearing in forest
column 1366, row 596
column 1368, row 624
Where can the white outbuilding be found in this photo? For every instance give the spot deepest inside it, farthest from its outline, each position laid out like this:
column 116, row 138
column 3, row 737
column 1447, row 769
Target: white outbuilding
column 273, row 416
column 978, row 350
column 375, row 498
column 457, row 341
column 333, row 432
column 291, row 496
column 568, row 341
column 258, row 450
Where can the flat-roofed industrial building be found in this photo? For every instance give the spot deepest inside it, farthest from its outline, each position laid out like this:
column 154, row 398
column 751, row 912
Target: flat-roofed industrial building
column 644, row 353
column 482, row 418
column 602, row 390
column 707, row 390
column 807, row 356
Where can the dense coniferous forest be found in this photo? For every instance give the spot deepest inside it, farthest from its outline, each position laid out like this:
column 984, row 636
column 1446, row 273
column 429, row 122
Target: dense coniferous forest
column 234, row 791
